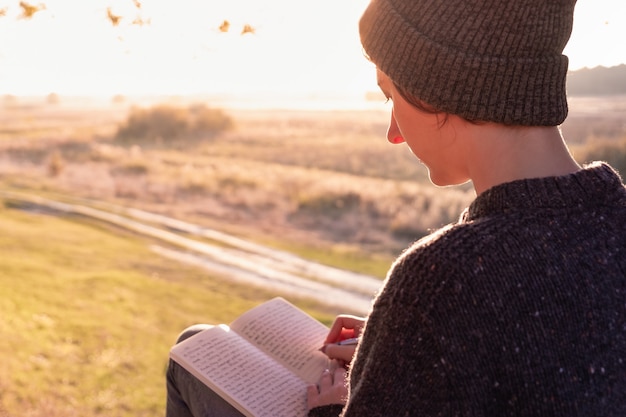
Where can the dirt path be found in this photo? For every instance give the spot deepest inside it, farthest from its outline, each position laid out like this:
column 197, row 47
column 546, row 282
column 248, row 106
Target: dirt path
column 225, row 255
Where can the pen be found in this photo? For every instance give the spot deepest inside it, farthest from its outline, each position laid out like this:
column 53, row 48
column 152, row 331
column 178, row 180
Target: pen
column 346, row 342
column 352, row 341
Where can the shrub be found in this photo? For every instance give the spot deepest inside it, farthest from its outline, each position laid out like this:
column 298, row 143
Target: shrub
column 133, row 168
column 161, row 122
column 10, row 100
column 53, row 98
column 207, row 121
column 118, row 99
column 610, row 151
column 330, row 204
column 55, row 164
column 168, row 123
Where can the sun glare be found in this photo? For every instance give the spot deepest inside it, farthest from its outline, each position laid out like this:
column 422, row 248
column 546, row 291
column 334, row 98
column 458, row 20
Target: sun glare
column 239, row 47
column 598, row 34
column 271, row 47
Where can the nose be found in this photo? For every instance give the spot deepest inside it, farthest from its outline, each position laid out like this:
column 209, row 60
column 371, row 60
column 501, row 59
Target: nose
column 393, row 132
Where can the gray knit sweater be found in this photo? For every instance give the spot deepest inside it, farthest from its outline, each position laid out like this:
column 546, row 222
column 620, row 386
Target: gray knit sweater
column 517, row 310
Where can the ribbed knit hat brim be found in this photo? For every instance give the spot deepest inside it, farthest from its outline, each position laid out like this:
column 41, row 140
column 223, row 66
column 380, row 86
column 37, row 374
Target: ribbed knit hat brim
column 491, row 60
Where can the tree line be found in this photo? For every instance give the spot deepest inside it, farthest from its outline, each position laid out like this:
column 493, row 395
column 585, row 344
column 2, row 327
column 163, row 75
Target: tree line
column 597, row 81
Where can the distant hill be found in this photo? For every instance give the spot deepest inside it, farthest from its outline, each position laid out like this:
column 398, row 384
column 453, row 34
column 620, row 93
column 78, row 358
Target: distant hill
column 597, row 81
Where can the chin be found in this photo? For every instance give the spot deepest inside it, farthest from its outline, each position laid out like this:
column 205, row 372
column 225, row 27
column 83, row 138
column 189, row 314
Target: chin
column 443, row 180
column 436, row 178
column 440, row 183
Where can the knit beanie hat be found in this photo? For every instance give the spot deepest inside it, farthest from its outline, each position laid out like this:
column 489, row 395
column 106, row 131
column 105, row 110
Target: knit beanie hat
column 491, row 60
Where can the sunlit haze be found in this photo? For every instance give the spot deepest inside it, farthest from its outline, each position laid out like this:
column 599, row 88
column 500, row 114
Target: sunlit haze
column 176, row 47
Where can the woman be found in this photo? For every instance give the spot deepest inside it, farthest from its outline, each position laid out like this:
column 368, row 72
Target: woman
column 518, row 309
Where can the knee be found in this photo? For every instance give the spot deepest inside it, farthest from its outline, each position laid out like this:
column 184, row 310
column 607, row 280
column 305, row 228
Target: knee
column 190, row 331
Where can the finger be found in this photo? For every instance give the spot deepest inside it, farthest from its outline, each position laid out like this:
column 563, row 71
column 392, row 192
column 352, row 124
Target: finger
column 332, row 389
column 335, row 330
column 344, row 353
column 345, row 326
column 326, row 380
column 312, row 396
column 339, row 377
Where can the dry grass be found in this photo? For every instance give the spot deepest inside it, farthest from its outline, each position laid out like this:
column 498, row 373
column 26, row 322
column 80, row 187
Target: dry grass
column 292, row 179
column 87, row 321
column 329, row 178
column 324, row 178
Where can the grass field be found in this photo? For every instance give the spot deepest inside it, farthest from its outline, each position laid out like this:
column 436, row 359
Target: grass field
column 88, row 312
column 88, row 317
column 328, row 178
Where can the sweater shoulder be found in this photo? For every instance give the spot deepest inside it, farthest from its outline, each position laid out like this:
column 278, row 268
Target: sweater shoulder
column 525, row 245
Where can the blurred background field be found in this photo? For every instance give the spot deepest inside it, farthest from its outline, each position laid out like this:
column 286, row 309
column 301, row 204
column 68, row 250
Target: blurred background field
column 89, row 312
column 223, row 114
column 309, row 177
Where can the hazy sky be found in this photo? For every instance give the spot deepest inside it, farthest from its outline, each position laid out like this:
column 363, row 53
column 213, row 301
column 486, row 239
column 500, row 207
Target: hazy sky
column 71, row 47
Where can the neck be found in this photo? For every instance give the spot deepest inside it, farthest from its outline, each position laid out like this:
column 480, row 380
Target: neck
column 500, row 154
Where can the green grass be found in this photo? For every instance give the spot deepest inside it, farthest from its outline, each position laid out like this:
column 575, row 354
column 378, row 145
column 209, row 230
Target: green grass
column 88, row 317
column 338, row 256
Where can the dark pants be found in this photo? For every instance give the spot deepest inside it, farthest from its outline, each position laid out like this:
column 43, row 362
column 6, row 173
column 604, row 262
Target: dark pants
column 187, row 396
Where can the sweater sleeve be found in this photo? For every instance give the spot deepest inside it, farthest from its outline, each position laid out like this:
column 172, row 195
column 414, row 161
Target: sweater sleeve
column 332, row 410
column 401, row 368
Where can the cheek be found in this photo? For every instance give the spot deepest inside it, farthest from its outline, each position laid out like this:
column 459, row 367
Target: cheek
column 412, row 129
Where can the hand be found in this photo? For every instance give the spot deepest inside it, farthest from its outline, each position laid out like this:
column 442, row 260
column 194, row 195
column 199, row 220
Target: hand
column 344, row 327
column 341, row 353
column 331, row 389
